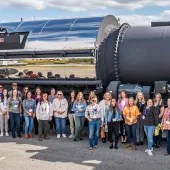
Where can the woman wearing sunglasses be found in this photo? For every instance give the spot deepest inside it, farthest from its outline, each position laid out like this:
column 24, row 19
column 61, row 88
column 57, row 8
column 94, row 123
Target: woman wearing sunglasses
column 94, row 116
column 60, row 108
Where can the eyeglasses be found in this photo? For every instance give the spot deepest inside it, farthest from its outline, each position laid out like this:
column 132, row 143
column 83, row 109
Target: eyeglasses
column 59, row 94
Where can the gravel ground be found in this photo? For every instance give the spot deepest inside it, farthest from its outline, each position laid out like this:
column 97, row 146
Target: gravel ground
column 64, row 154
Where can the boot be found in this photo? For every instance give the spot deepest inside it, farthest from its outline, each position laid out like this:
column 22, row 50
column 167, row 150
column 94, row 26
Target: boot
column 30, row 135
column 111, row 146
column 26, row 136
column 116, row 147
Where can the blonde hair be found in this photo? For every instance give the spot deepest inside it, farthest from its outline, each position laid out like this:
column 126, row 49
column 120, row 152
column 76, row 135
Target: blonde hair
column 160, row 96
column 77, row 98
column 143, row 98
column 91, row 93
column 104, row 97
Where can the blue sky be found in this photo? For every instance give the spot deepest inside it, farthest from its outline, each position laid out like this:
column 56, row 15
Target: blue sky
column 135, row 12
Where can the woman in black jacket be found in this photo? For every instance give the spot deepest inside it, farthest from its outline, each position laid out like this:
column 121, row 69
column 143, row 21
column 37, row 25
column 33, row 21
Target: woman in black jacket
column 71, row 114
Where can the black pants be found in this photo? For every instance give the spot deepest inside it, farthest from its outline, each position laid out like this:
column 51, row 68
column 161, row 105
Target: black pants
column 43, row 128
column 122, row 129
column 113, row 127
column 52, row 123
column 36, row 126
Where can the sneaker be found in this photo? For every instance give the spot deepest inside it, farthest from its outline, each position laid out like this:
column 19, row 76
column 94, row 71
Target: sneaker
column 166, row 154
column 158, row 146
column 111, row 146
column 90, row 148
column 6, row 134
column 1, row 134
column 63, row 135
column 146, row 150
column 46, row 137
column 71, row 136
column 58, row 136
column 150, row 153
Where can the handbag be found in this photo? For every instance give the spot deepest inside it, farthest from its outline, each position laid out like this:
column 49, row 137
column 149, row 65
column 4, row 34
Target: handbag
column 102, row 133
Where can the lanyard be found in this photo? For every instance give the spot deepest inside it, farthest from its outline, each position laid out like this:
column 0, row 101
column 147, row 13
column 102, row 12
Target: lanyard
column 28, row 104
column 145, row 111
column 168, row 113
column 45, row 107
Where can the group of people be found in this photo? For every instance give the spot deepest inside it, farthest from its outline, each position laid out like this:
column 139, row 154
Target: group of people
column 126, row 117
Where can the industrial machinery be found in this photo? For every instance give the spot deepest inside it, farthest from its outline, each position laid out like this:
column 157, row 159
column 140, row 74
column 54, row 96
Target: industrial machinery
column 87, row 53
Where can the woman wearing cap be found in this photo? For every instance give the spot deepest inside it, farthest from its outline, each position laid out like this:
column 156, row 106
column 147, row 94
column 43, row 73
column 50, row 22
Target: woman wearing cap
column 44, row 112
column 166, row 127
column 131, row 113
column 29, row 107
column 3, row 113
column 14, row 111
column 95, row 118
column 79, row 108
column 60, row 108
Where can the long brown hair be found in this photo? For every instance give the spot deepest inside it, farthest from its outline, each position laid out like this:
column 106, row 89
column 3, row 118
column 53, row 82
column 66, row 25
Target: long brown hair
column 77, row 98
column 17, row 97
column 36, row 91
column 123, row 91
column 112, row 107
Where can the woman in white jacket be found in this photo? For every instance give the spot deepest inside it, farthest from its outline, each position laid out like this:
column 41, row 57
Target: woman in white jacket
column 60, row 108
column 44, row 112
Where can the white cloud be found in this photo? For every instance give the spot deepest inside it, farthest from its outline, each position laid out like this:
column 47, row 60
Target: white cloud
column 79, row 5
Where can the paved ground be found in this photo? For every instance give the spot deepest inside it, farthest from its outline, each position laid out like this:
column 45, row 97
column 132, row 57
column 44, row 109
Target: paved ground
column 64, row 154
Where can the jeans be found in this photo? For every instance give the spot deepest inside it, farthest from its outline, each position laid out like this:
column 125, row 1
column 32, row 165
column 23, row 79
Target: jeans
column 79, row 121
column 133, row 128
column 28, row 124
column 94, row 128
column 149, row 130
column 113, row 127
column 60, row 125
column 167, row 132
column 43, row 126
column 140, row 129
column 72, row 122
column 15, row 119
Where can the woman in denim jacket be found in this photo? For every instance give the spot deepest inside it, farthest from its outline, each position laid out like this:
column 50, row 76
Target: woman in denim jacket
column 112, row 121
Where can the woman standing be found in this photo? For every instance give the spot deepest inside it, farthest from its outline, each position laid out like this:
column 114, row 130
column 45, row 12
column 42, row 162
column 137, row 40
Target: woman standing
column 150, row 118
column 105, row 107
column 71, row 114
column 131, row 113
column 29, row 107
column 166, row 127
column 79, row 108
column 38, row 98
column 60, row 107
column 44, row 114
column 14, row 111
column 3, row 113
column 159, row 104
column 112, row 121
column 94, row 116
column 140, row 103
column 122, row 102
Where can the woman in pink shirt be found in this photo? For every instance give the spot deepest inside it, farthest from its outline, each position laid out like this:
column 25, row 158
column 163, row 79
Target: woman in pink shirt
column 122, row 102
column 166, row 127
